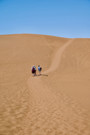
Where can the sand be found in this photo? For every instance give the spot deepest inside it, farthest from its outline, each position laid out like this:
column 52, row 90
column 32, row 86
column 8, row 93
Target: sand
column 55, row 103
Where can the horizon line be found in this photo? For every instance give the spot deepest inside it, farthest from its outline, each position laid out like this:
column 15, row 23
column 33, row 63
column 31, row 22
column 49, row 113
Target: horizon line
column 44, row 35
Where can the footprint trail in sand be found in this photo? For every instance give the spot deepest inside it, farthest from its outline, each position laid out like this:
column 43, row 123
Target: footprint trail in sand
column 50, row 114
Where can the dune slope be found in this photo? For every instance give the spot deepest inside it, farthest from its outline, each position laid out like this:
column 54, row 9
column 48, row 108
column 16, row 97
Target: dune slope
column 46, row 104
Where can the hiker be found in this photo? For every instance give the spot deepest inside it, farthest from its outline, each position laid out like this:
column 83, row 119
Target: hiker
column 34, row 70
column 39, row 69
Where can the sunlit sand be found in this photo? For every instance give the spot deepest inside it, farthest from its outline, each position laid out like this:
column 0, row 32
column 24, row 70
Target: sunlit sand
column 57, row 102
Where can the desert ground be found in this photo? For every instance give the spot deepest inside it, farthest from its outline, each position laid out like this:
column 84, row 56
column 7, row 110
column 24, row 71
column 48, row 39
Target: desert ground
column 55, row 103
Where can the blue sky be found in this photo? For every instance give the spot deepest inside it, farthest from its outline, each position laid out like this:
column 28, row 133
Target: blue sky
column 64, row 18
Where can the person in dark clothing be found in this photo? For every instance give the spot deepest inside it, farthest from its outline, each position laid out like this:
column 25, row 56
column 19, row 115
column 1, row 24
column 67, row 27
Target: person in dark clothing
column 34, row 70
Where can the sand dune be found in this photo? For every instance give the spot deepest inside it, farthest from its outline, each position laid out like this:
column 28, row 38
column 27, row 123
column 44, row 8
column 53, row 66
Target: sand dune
column 55, row 103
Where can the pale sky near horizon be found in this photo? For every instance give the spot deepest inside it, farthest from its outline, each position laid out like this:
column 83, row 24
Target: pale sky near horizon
column 64, row 18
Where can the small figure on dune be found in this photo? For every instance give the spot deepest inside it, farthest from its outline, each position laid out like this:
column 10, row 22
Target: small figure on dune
column 34, row 70
column 39, row 69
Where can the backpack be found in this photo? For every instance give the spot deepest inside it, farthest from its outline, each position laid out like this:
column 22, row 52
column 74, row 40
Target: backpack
column 40, row 68
column 33, row 70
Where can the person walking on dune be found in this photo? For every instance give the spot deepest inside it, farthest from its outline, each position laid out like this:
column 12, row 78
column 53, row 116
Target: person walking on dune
column 34, row 70
column 39, row 69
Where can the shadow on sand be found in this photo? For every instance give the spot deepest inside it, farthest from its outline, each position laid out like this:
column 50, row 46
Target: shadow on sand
column 41, row 75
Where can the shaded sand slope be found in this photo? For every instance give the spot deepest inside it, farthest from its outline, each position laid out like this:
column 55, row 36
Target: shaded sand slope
column 44, row 104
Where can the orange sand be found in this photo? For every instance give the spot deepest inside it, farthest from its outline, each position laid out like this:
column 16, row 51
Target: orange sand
column 55, row 103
